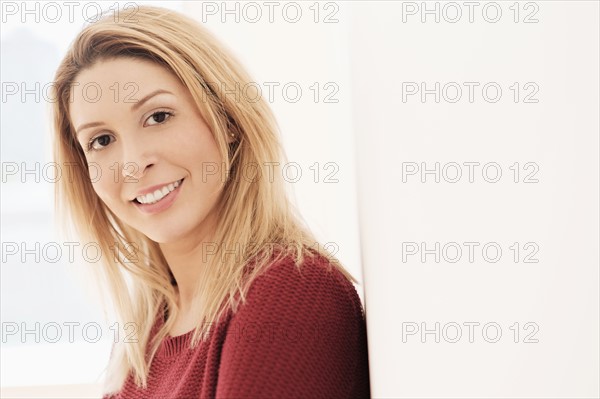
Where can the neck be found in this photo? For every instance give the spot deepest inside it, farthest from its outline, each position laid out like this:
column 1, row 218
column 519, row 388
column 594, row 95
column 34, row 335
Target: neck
column 187, row 258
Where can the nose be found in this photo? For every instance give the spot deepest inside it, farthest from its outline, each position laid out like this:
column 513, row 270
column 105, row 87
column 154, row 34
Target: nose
column 137, row 160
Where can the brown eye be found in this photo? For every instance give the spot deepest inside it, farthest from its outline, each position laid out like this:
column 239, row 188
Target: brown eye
column 99, row 142
column 158, row 117
column 104, row 141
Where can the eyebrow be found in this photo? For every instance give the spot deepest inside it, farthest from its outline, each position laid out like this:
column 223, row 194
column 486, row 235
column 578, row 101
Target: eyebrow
column 134, row 107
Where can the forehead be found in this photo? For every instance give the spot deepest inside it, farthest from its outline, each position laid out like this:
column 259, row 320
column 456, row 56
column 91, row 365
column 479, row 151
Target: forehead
column 123, row 70
column 118, row 81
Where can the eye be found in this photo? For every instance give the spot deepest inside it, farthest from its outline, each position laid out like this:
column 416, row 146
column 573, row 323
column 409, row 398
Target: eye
column 99, row 142
column 157, row 118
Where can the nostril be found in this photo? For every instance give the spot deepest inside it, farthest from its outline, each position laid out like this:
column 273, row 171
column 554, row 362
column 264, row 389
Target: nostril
column 134, row 170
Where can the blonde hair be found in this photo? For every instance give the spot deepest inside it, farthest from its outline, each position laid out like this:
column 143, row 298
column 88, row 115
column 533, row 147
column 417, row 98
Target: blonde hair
column 256, row 214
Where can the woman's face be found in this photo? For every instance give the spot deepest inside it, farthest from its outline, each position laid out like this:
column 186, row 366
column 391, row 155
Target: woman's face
column 153, row 160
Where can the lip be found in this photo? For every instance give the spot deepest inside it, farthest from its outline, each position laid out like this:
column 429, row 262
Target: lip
column 161, row 205
column 152, row 189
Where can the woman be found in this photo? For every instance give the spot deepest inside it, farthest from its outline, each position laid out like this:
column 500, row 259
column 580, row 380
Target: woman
column 221, row 289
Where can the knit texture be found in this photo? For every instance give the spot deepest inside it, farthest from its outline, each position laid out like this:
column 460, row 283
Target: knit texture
column 301, row 334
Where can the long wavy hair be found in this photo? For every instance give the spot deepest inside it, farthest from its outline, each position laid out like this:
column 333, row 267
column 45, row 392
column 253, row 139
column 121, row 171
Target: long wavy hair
column 256, row 216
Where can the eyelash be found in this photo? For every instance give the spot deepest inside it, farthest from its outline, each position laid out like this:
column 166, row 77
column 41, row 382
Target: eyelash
column 93, row 139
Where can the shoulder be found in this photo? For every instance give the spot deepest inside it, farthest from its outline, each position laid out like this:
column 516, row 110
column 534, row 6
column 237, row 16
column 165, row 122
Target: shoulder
column 314, row 293
column 300, row 331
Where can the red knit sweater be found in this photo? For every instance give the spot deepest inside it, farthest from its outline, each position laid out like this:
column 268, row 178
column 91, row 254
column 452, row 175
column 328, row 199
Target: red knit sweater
column 299, row 335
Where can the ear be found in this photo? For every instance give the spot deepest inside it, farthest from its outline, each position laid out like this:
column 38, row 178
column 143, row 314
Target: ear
column 233, row 130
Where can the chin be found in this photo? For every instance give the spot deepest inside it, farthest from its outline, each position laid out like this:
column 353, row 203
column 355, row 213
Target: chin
column 164, row 237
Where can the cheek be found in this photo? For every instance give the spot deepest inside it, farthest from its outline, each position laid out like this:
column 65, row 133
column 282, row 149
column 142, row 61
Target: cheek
column 198, row 152
column 105, row 186
column 208, row 169
column 194, row 139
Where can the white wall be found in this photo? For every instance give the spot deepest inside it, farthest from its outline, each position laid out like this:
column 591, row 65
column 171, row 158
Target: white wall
column 558, row 214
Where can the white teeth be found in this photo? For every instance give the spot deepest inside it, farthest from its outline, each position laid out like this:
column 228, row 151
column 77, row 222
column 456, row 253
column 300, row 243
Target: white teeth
column 158, row 194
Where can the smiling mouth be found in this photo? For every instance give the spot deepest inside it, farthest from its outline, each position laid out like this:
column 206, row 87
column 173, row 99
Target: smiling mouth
column 158, row 195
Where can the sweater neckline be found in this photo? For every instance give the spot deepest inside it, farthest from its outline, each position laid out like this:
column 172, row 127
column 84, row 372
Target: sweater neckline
column 171, row 346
